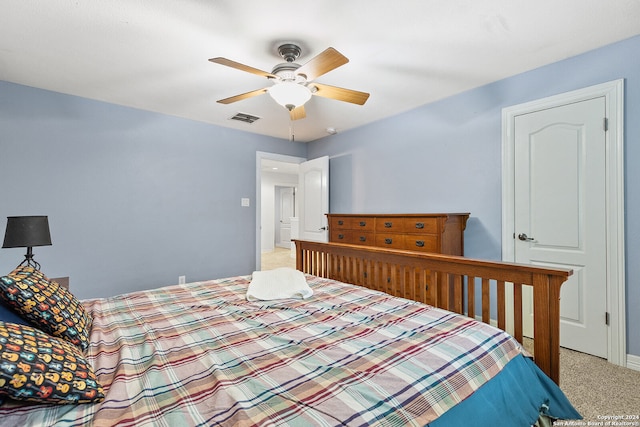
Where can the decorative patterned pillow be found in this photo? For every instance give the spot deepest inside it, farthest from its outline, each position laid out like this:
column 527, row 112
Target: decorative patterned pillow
column 46, row 305
column 36, row 367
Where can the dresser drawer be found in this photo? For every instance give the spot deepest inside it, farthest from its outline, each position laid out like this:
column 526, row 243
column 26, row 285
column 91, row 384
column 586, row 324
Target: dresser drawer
column 363, row 237
column 390, row 225
column 423, row 243
column 363, row 223
column 420, row 225
column 352, row 223
column 339, row 223
column 390, row 241
column 353, row 237
column 340, row 236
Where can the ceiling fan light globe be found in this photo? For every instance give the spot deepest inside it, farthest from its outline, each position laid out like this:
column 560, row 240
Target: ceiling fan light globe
column 289, row 94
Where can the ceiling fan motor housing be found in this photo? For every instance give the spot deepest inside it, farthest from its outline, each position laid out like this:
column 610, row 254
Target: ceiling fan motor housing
column 289, row 52
column 286, row 71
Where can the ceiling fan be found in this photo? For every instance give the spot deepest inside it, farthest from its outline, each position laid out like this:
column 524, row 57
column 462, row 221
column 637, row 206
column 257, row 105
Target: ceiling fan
column 293, row 84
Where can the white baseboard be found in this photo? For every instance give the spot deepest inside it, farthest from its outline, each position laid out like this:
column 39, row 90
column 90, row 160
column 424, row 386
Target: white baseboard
column 633, row 362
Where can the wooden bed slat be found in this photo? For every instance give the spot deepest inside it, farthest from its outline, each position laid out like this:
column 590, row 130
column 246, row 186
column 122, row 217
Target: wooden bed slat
column 458, row 293
column 435, row 298
column 471, row 297
column 501, row 305
column 486, row 302
column 517, row 311
column 440, row 279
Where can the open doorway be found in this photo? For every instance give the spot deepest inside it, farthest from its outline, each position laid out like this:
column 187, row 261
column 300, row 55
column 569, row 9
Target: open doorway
column 276, row 184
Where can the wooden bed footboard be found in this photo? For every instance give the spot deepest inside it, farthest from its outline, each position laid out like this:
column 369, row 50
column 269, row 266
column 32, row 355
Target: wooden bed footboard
column 441, row 280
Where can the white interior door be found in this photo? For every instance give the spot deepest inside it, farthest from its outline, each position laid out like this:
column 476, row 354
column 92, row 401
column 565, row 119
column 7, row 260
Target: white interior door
column 286, row 200
column 560, row 213
column 313, row 199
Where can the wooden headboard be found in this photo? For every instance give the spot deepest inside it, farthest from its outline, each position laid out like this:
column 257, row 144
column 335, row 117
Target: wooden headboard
column 442, row 280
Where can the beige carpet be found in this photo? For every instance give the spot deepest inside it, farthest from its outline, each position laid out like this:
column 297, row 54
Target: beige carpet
column 597, row 388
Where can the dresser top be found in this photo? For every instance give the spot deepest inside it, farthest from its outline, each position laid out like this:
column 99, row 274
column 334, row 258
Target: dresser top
column 420, row 215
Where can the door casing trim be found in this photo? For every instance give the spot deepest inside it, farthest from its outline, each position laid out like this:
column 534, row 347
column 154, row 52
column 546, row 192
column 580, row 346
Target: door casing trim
column 614, row 187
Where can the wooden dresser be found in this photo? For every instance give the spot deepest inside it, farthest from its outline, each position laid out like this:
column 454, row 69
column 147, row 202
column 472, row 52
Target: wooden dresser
column 441, row 233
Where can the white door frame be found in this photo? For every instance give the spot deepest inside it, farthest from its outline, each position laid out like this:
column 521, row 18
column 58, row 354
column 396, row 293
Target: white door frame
column 271, row 156
column 614, row 187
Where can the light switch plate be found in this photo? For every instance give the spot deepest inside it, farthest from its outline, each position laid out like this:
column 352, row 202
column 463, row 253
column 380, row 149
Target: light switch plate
column 244, row 202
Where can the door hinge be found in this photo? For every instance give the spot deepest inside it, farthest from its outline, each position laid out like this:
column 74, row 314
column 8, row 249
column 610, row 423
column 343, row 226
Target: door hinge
column 605, row 124
column 606, row 318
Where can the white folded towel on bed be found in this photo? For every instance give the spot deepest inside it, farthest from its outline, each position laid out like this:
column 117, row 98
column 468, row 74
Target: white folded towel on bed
column 281, row 283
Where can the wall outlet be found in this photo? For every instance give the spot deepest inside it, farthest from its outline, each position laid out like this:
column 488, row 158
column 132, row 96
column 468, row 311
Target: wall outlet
column 245, row 202
column 182, row 280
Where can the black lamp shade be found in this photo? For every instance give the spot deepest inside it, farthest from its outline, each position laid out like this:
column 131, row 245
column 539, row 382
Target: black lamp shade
column 27, row 231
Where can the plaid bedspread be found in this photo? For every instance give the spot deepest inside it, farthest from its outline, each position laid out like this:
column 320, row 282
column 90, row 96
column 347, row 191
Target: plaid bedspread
column 200, row 354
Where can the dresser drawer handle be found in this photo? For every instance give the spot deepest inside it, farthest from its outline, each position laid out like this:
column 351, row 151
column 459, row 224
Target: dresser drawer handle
column 388, row 224
column 340, row 236
column 388, row 241
column 340, row 222
column 363, row 238
column 420, row 243
column 419, row 224
column 363, row 223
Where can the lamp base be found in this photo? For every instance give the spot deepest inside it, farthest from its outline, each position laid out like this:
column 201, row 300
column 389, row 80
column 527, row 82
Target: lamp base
column 28, row 260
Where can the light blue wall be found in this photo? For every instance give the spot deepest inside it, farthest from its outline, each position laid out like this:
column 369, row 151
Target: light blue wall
column 446, row 156
column 135, row 199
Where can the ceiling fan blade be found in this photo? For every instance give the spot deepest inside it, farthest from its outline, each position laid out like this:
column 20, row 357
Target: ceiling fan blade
column 341, row 94
column 242, row 67
column 298, row 113
column 321, row 64
column 242, row 96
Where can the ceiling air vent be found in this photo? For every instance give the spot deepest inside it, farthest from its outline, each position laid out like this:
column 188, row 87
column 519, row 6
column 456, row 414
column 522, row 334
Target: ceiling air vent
column 244, row 117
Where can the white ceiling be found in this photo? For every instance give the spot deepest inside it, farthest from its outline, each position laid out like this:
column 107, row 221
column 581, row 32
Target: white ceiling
column 153, row 55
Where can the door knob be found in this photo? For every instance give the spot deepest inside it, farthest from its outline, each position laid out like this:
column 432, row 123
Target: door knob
column 525, row 238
